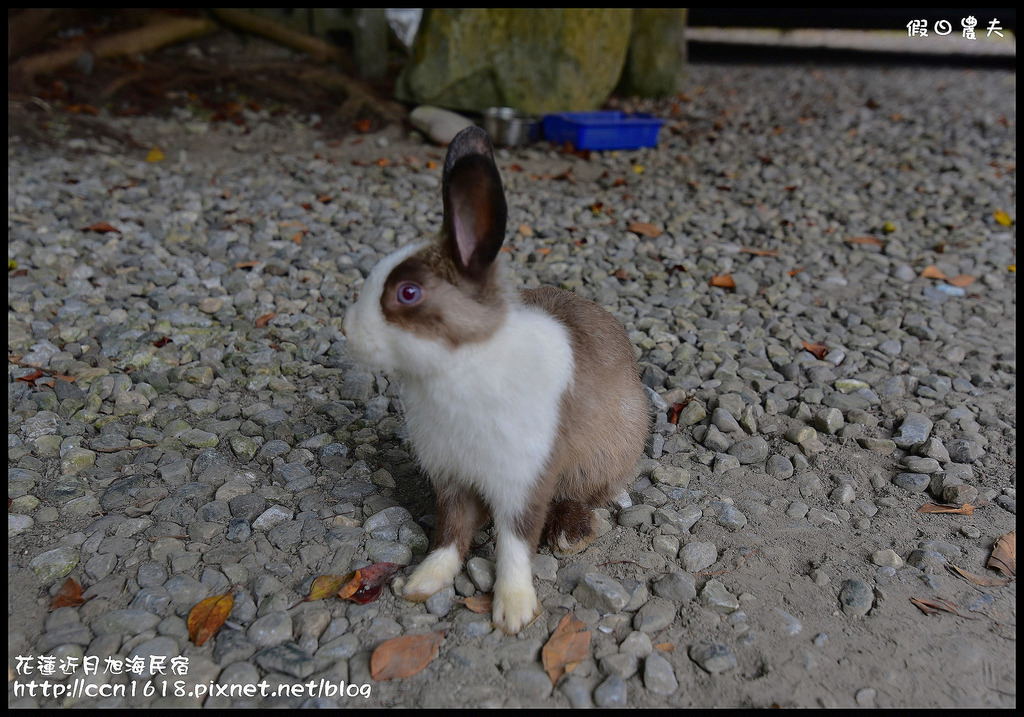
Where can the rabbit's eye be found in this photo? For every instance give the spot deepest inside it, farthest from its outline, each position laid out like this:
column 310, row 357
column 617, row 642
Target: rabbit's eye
column 409, row 293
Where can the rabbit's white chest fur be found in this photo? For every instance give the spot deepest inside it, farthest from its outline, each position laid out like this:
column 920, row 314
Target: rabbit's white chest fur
column 489, row 419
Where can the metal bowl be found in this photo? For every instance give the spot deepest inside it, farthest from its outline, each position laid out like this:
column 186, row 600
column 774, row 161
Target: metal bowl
column 509, row 127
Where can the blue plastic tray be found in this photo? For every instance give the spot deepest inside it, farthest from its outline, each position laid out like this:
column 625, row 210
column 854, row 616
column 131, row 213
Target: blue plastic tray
column 603, row 130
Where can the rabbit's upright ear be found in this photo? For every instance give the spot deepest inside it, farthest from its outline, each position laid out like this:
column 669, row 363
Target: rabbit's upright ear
column 474, row 203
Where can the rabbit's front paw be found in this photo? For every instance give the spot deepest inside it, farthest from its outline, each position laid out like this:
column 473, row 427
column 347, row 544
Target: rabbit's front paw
column 435, row 572
column 514, row 607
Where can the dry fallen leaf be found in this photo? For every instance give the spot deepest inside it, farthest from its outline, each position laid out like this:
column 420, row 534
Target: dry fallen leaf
column 568, row 646
column 262, row 321
column 723, row 281
column 525, row 230
column 759, row 252
column 155, row 155
column 70, row 595
column 983, row 580
column 372, row 579
column 868, row 240
column 961, row 280
column 480, row 604
column 965, row 509
column 1002, row 217
column 665, row 646
column 207, row 617
column 1004, row 554
column 674, row 410
column 936, row 605
column 818, row 350
column 645, row 228
column 933, row 272
column 327, row 586
column 351, row 587
column 31, row 378
column 404, row 656
column 101, row 228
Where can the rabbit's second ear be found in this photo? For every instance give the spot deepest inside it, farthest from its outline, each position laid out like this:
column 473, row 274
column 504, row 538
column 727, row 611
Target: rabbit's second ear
column 474, row 213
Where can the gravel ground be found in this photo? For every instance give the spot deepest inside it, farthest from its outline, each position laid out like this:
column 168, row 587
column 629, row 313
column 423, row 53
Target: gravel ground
column 216, row 436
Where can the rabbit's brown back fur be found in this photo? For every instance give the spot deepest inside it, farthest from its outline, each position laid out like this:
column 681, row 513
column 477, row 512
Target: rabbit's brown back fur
column 604, row 415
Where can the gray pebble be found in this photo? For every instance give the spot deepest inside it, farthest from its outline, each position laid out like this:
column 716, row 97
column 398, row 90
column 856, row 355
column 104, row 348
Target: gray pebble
column 778, row 466
column 655, row 615
column 611, row 693
column 600, row 592
column 659, row 677
column 750, row 450
column 679, row 587
column 712, row 657
column 913, row 482
column 856, row 598
column 714, row 596
column 698, row 555
column 914, row 429
column 531, row 683
column 964, row 451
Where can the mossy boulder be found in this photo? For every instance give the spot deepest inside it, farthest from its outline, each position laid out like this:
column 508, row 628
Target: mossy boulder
column 536, row 60
column 656, row 62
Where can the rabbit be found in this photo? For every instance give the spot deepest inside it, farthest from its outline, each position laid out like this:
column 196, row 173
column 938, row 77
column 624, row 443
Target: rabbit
column 522, row 406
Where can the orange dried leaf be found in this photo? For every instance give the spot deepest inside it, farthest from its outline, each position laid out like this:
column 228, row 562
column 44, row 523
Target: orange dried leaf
column 155, row 155
column 723, row 281
column 69, row 595
column 622, row 274
column 480, row 604
column 31, row 377
column 351, row 586
column 567, row 647
column 82, row 109
column 101, row 228
column 404, row 656
column 665, row 646
column 818, row 350
column 363, row 126
column 983, row 580
column 246, row 264
column 965, row 509
column 961, row 280
column 262, row 321
column 759, row 252
column 1004, row 554
column 868, row 240
column 543, row 251
column 645, row 228
column 794, row 272
column 933, row 272
column 206, row 618
column 936, row 605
